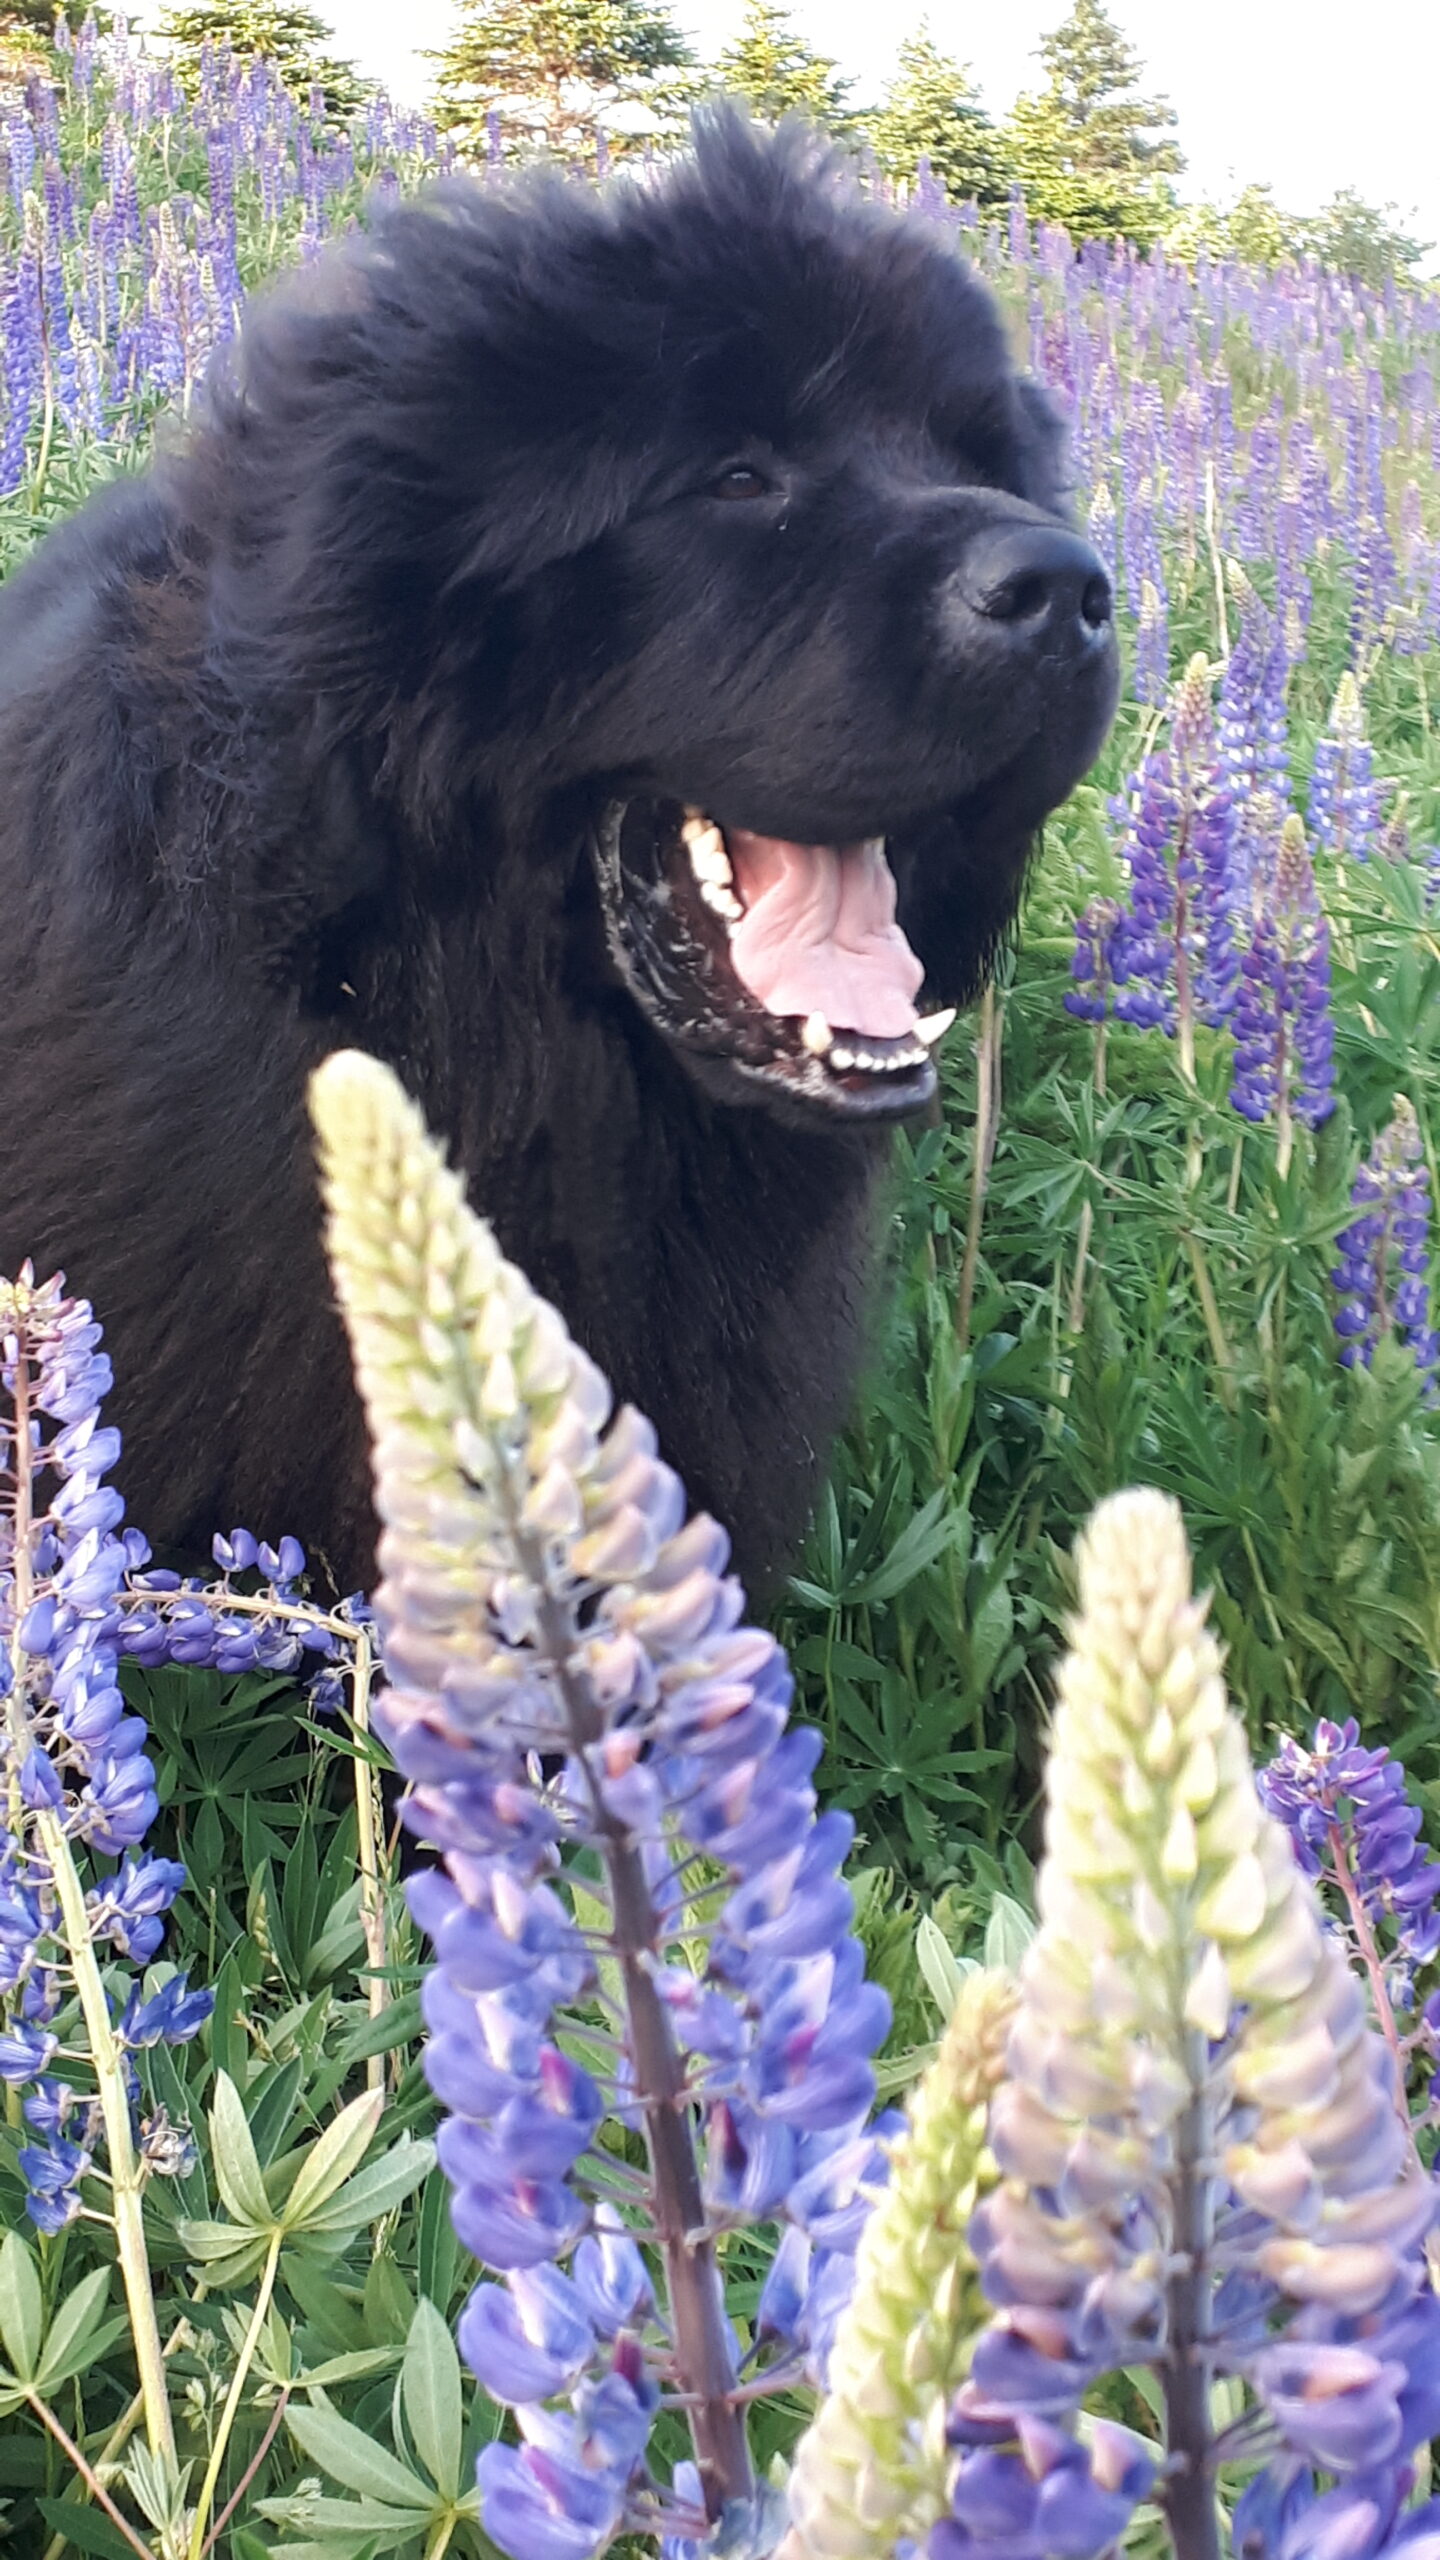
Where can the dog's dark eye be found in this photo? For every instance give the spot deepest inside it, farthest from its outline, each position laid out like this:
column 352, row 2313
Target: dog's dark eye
column 741, row 481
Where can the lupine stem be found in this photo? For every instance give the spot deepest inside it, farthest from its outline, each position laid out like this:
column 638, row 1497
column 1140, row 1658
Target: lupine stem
column 105, row 2052
column 228, row 2415
column 987, row 1124
column 96, row 2486
column 372, row 1909
column 693, row 2280
column 1189, row 2493
column 1364, row 1936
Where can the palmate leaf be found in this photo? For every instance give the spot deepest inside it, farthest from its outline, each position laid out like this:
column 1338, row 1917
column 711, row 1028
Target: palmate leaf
column 330, row 2161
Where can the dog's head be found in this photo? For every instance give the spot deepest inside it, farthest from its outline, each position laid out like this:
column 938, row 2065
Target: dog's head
column 712, row 505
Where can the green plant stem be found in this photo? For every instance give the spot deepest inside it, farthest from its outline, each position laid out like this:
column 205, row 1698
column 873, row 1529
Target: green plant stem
column 96, row 2487
column 987, row 1126
column 182, row 2335
column 126, row 2175
column 251, row 2468
column 198, row 2540
column 1221, row 1352
column 372, row 1906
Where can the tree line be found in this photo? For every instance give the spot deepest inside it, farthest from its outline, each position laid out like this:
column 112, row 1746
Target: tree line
column 586, row 81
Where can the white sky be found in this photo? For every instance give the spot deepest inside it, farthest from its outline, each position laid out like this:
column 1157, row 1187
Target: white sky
column 1310, row 95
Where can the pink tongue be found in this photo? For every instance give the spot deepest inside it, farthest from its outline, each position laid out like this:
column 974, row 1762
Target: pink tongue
column 819, row 934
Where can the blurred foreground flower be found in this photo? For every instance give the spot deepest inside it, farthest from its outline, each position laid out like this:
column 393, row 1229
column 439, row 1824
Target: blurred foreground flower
column 599, row 1745
column 1205, row 2166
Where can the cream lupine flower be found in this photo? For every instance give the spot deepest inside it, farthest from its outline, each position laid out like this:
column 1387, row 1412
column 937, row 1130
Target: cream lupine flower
column 874, row 2464
column 1192, row 2082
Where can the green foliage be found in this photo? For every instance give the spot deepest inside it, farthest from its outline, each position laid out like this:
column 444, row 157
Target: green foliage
column 284, row 32
column 1363, row 240
column 555, row 71
column 772, row 68
column 1090, row 150
column 932, row 110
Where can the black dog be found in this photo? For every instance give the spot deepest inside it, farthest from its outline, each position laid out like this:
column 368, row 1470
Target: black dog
column 575, row 617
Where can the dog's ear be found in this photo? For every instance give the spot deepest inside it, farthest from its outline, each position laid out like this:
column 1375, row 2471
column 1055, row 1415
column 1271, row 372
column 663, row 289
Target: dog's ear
column 1047, row 479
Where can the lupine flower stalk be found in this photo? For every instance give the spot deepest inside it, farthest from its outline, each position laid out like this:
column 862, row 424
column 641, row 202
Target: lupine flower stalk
column 1203, row 2166
column 75, row 1779
column 1354, row 1828
column 589, row 1728
column 1172, row 952
column 1344, row 793
column 1383, row 1273
column 1284, row 1036
column 872, row 2467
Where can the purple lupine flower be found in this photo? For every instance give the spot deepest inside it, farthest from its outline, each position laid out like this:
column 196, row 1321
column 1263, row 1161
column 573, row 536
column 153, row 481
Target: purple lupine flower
column 72, row 1752
column 1172, row 952
column 1344, row 793
column 1383, row 1274
column 1284, row 1035
column 1092, row 969
column 1347, row 1811
column 561, row 1614
column 1251, row 716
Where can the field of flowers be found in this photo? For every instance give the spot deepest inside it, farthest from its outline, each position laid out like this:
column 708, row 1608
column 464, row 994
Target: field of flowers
column 1173, row 1231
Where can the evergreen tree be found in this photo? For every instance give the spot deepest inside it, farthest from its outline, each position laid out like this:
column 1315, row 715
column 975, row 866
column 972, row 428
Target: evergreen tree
column 932, row 110
column 284, row 32
column 1089, row 148
column 557, row 72
column 776, row 73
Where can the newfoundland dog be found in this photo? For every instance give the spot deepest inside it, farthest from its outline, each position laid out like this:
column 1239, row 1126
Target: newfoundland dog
column 607, row 652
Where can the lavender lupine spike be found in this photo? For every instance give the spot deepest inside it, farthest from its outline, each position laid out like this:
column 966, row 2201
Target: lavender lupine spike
column 1091, row 993
column 1284, row 1034
column 1204, row 2168
column 1353, row 1826
column 1345, row 796
column 1383, row 1273
column 1173, row 953
column 546, row 1606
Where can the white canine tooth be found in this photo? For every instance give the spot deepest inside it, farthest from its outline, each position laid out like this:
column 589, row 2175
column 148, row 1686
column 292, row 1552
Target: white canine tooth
column 816, row 1035
column 933, row 1026
column 710, row 861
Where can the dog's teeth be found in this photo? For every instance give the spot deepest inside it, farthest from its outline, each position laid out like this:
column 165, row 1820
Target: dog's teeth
column 721, row 902
column 708, row 857
column 842, row 1059
column 816, row 1035
column 933, row 1026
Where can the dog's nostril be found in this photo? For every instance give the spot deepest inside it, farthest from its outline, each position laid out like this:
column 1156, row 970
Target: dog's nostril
column 1018, row 598
column 1095, row 602
column 1034, row 578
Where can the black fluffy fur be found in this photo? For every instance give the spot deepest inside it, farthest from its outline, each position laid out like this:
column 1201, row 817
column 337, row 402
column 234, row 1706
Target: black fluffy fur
column 303, row 732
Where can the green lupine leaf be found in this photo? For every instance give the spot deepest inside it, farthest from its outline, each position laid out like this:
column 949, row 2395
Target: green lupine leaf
column 22, row 2307
column 341, row 2148
column 237, row 2169
column 79, row 2335
column 430, row 2390
column 374, row 2191
column 357, row 2462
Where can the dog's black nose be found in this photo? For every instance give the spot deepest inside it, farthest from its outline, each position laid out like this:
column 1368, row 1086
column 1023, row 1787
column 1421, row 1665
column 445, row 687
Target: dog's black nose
column 1038, row 578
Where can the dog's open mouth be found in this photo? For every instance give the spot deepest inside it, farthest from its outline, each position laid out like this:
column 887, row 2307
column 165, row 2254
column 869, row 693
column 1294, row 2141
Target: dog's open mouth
column 783, row 960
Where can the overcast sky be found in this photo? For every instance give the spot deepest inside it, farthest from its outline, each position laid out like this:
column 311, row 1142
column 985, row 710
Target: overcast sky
column 1304, row 93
